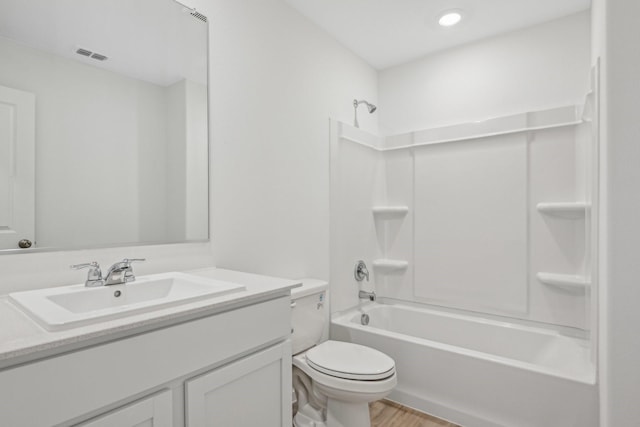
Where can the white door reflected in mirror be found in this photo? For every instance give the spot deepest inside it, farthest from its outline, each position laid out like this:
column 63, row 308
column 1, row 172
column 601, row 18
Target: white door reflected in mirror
column 17, row 138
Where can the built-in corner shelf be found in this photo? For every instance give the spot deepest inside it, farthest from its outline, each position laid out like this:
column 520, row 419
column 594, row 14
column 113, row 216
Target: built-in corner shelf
column 390, row 265
column 570, row 210
column 568, row 282
column 388, row 212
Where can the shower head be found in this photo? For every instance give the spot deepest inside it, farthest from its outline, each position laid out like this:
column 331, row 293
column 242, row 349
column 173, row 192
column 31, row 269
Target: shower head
column 372, row 108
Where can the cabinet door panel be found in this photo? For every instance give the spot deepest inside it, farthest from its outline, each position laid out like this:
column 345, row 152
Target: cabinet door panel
column 154, row 411
column 254, row 391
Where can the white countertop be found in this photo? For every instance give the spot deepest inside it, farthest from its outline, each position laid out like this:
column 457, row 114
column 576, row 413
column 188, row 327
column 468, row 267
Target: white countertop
column 23, row 340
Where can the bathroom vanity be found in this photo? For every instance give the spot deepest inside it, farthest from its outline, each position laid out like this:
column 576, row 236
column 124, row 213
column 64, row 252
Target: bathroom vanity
column 224, row 361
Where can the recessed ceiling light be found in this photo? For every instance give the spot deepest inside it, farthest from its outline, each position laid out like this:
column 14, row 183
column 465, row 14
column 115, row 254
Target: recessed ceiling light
column 450, row 18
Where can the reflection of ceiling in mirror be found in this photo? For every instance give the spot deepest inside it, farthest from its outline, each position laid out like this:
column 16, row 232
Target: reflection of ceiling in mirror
column 158, row 41
column 386, row 33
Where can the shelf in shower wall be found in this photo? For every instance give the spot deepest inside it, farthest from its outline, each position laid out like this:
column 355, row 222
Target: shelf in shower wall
column 390, row 265
column 570, row 210
column 389, row 212
column 570, row 282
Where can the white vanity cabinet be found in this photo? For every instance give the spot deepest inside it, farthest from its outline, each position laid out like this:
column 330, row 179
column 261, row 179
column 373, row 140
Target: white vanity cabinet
column 254, row 391
column 156, row 411
column 216, row 370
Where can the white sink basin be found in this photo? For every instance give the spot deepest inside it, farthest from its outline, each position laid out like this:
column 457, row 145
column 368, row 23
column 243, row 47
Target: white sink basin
column 72, row 306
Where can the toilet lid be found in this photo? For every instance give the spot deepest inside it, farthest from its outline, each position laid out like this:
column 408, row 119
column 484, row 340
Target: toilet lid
column 350, row 361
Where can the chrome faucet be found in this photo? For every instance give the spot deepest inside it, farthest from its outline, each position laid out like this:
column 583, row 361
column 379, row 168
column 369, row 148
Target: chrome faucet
column 121, row 272
column 371, row 296
column 94, row 276
column 361, row 272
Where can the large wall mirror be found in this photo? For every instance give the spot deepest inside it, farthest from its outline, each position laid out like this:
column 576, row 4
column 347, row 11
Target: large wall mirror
column 103, row 123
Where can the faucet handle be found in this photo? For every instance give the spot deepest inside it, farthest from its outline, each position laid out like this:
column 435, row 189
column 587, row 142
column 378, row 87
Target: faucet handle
column 94, row 276
column 128, row 273
column 360, row 272
column 85, row 265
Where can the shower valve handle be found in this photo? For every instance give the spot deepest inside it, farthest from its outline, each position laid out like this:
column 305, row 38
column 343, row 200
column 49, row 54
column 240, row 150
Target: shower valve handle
column 361, row 272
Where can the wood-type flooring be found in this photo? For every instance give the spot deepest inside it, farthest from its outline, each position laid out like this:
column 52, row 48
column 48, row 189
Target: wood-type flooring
column 385, row 413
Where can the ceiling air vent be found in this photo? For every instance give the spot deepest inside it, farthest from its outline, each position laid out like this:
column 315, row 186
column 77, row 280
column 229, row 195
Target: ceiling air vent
column 89, row 54
column 198, row 15
column 84, row 52
column 99, row 57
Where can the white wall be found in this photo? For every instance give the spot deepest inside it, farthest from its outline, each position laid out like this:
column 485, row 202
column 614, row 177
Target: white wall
column 536, row 68
column 615, row 38
column 176, row 175
column 187, row 166
column 277, row 79
column 197, row 149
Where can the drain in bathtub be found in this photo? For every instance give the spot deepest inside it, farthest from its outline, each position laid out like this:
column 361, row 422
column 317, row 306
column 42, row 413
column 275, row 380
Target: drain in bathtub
column 364, row 319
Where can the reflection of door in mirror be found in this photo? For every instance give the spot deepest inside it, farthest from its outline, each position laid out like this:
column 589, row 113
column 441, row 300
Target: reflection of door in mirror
column 17, row 137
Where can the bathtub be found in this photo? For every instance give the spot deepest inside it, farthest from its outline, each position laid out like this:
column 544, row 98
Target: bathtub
column 479, row 372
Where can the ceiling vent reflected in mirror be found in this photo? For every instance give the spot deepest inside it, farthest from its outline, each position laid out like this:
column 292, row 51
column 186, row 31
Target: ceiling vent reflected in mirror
column 94, row 55
column 99, row 57
column 198, row 15
column 84, row 52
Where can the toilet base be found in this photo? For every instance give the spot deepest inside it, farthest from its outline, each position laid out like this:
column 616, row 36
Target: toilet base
column 346, row 414
column 338, row 414
column 303, row 420
column 308, row 416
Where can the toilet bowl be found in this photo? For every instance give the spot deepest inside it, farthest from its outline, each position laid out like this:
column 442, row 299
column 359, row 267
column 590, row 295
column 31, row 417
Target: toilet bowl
column 333, row 381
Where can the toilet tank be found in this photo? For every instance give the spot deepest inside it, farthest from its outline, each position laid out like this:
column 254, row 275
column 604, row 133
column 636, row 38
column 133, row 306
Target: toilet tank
column 309, row 314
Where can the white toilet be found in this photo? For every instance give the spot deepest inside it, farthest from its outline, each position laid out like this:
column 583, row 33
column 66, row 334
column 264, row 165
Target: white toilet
column 333, row 381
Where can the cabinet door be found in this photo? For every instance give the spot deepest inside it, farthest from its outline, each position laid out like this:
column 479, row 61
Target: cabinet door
column 253, row 391
column 153, row 411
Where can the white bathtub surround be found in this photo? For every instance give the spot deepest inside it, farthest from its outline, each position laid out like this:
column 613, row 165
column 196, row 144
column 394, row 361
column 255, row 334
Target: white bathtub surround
column 357, row 183
column 479, row 372
column 570, row 210
column 476, row 216
column 494, row 227
column 390, row 212
column 570, row 282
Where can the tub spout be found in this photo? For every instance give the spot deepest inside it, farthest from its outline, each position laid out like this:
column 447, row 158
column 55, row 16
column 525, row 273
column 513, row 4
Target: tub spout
column 371, row 296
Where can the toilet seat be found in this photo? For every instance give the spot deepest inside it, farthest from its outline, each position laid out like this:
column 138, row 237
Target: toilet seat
column 343, row 385
column 350, row 361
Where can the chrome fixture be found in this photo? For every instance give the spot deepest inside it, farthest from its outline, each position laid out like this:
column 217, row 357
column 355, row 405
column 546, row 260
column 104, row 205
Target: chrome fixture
column 364, row 319
column 370, row 107
column 361, row 272
column 94, row 276
column 371, row 296
column 121, row 272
